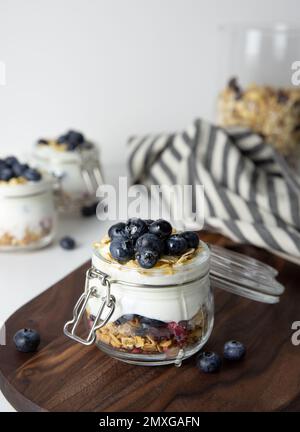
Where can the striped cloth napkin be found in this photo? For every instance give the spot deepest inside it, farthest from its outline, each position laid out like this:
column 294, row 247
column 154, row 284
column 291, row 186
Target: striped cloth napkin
column 251, row 195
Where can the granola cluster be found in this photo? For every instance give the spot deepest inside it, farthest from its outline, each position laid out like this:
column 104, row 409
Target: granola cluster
column 14, row 181
column 141, row 335
column 28, row 238
column 271, row 112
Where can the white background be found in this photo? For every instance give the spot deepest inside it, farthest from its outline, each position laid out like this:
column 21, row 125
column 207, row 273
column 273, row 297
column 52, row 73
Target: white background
column 114, row 67
column 110, row 68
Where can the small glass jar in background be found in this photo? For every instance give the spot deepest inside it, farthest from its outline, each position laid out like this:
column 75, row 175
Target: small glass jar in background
column 75, row 164
column 28, row 215
column 255, row 85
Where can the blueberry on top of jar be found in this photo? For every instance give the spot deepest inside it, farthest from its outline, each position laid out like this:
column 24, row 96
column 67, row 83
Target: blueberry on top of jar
column 72, row 140
column 147, row 241
column 191, row 238
column 117, row 231
column 161, row 228
column 12, row 169
column 121, row 249
column 150, row 241
column 147, row 258
column 135, row 227
column 176, row 245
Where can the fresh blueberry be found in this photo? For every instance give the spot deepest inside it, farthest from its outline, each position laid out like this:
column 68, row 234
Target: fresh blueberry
column 150, row 322
column 74, row 137
column 125, row 318
column 43, row 141
column 134, row 228
column 159, row 333
column 6, row 174
column 62, row 139
column 209, row 362
column 117, row 231
column 234, row 350
column 67, row 243
column 72, row 146
column 27, row 340
column 121, row 249
column 175, row 245
column 191, row 238
column 161, row 228
column 147, row 258
column 148, row 222
column 10, row 160
column 149, row 241
column 89, row 210
column 32, row 174
column 19, row 169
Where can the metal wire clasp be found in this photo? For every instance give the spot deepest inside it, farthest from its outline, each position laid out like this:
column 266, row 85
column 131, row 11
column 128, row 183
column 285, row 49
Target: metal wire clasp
column 108, row 301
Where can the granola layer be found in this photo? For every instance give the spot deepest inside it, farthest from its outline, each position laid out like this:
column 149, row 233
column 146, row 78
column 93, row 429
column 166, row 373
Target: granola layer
column 29, row 237
column 141, row 335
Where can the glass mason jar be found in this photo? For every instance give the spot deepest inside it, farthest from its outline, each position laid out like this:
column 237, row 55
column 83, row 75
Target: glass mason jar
column 256, row 91
column 27, row 216
column 163, row 315
column 78, row 174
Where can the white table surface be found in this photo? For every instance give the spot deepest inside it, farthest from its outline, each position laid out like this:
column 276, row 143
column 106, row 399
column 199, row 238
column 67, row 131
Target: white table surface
column 36, row 271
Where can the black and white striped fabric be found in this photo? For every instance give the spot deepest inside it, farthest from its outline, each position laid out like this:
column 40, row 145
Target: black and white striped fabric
column 250, row 193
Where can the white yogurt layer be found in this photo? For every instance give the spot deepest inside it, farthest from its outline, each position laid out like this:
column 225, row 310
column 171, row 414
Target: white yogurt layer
column 155, row 293
column 27, row 207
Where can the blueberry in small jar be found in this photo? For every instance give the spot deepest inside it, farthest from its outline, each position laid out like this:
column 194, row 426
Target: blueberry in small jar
column 32, row 174
column 121, row 250
column 148, row 222
column 234, row 350
column 176, row 245
column 161, row 228
column 6, row 174
column 147, row 258
column 74, row 137
column 19, row 169
column 27, row 340
column 117, row 231
column 150, row 241
column 191, row 238
column 209, row 362
column 135, row 227
column 12, row 168
column 11, row 160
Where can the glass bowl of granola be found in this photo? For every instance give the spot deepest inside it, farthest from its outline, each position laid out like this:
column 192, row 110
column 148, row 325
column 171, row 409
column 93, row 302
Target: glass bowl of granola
column 28, row 215
column 257, row 88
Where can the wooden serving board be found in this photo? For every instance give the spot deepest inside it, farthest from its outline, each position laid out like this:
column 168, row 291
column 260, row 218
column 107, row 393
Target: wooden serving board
column 65, row 376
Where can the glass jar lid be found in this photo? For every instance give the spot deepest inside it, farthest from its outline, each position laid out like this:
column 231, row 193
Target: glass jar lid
column 244, row 276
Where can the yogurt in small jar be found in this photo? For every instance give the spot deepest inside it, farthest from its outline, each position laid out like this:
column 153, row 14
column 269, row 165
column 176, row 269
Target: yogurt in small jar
column 28, row 215
column 74, row 163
